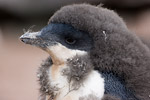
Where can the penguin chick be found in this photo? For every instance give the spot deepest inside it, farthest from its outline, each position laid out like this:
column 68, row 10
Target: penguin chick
column 92, row 53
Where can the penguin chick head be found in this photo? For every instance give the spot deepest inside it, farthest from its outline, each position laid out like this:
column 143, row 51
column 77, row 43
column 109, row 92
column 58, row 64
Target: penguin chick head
column 61, row 41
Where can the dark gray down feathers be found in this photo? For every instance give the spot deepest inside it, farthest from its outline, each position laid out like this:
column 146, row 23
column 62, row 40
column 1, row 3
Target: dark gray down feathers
column 115, row 49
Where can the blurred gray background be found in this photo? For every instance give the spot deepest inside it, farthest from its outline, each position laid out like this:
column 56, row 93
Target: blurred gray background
column 19, row 62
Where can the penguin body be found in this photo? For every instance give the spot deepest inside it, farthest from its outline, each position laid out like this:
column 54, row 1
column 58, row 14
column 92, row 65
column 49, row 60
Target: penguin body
column 91, row 47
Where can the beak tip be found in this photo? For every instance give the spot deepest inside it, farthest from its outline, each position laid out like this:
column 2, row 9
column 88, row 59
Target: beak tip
column 24, row 38
column 21, row 37
column 30, row 38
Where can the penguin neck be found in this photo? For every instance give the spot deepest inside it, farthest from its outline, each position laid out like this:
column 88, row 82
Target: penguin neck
column 56, row 61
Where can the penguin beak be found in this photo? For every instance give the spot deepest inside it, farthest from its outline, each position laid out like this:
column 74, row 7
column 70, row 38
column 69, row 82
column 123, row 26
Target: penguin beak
column 38, row 39
column 29, row 38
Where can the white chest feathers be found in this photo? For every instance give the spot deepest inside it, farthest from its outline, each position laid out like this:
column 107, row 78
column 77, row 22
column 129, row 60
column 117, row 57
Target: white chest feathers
column 92, row 85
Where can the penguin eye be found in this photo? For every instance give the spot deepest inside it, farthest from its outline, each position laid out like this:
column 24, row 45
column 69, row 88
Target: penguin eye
column 70, row 40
